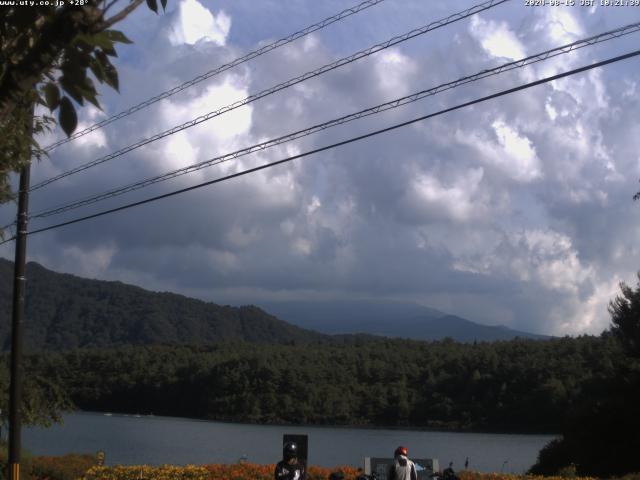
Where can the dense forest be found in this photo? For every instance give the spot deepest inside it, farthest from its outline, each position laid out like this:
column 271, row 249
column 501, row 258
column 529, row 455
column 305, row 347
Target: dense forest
column 519, row 385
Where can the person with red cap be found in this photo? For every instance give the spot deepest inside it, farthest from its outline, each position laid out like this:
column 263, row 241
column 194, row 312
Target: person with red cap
column 402, row 468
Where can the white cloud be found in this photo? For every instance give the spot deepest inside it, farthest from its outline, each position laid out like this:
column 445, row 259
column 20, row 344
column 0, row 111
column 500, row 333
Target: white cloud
column 542, row 256
column 496, row 38
column 560, row 25
column 428, row 198
column 219, row 135
column 521, row 157
column 194, row 23
column 178, row 152
column 507, row 150
column 97, row 138
column 393, row 72
column 555, row 261
column 586, row 315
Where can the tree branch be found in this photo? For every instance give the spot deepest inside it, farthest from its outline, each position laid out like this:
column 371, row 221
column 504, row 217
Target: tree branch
column 109, row 5
column 121, row 15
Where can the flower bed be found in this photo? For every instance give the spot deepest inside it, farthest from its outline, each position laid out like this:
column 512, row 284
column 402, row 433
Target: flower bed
column 241, row 471
column 250, row 471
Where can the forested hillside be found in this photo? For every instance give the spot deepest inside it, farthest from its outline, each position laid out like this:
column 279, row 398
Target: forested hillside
column 519, row 385
column 65, row 311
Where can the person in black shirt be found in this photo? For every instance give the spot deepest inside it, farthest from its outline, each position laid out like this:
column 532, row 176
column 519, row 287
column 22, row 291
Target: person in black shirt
column 290, row 468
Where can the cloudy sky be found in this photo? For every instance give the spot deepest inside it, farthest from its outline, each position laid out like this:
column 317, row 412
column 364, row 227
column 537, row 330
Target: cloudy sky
column 517, row 211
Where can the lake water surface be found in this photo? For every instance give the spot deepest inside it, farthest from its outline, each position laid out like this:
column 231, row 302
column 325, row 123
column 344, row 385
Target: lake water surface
column 132, row 440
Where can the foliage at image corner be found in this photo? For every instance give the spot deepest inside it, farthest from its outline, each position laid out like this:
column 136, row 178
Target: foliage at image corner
column 602, row 433
column 50, row 57
column 44, row 399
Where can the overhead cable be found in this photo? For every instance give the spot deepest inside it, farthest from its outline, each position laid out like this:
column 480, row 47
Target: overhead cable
column 532, row 59
column 252, row 98
column 222, row 68
column 338, row 144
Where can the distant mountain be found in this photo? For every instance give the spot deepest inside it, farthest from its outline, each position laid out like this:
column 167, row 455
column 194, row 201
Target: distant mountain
column 65, row 311
column 390, row 319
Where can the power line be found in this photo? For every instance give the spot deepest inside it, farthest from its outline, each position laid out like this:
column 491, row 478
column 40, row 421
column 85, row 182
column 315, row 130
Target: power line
column 532, row 59
column 252, row 98
column 338, row 144
column 222, row 68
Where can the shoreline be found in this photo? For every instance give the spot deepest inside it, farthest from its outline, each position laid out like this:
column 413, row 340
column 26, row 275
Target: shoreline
column 322, row 425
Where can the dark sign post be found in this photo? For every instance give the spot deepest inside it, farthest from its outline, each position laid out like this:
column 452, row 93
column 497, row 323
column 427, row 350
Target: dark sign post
column 302, row 441
column 425, row 467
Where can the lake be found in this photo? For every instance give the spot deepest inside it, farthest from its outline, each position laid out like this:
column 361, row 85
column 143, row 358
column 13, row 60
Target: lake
column 135, row 440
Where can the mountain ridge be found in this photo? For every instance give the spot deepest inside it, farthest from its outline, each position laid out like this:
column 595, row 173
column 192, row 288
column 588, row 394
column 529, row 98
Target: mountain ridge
column 390, row 319
column 65, row 311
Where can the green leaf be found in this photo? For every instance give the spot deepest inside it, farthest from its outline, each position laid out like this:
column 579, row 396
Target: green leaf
column 73, row 72
column 89, row 92
column 100, row 39
column 96, row 69
column 153, row 5
column 72, row 88
column 52, row 95
column 103, row 60
column 110, row 51
column 116, row 36
column 67, row 116
column 164, row 4
column 109, row 71
column 112, row 78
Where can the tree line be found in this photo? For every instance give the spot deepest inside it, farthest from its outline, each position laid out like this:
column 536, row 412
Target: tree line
column 511, row 386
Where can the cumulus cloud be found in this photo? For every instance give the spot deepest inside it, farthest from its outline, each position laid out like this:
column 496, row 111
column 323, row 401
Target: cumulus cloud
column 517, row 211
column 506, row 149
column 193, row 22
column 497, row 38
column 428, row 198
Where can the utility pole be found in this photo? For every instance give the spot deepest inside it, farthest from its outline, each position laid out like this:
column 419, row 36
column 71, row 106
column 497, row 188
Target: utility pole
column 17, row 319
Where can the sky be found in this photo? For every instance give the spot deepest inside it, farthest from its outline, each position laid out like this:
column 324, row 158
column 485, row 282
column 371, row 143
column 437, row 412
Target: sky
column 516, row 211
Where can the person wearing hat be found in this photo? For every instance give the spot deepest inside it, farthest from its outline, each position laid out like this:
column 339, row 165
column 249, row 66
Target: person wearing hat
column 290, row 467
column 402, row 468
